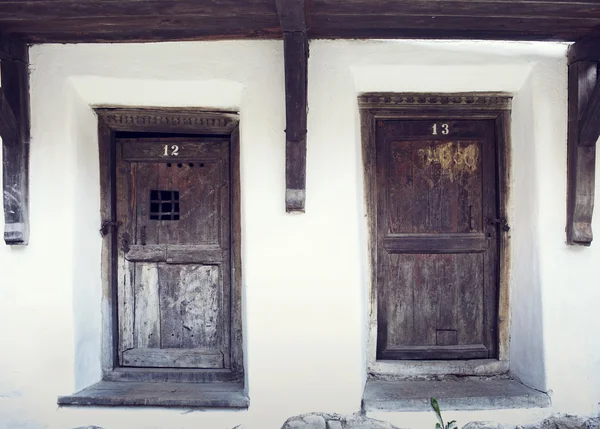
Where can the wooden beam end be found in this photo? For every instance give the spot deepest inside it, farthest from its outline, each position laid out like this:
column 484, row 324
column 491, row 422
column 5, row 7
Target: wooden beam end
column 295, row 200
column 16, row 234
column 580, row 234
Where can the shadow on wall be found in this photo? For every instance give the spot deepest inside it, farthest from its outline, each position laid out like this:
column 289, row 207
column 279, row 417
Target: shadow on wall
column 527, row 336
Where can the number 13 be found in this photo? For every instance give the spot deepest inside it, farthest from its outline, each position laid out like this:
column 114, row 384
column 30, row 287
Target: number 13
column 445, row 129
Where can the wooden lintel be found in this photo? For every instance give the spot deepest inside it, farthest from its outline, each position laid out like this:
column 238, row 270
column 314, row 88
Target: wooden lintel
column 295, row 46
column 583, row 88
column 15, row 146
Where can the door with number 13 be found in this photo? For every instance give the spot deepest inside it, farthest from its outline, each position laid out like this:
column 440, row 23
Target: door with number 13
column 437, row 244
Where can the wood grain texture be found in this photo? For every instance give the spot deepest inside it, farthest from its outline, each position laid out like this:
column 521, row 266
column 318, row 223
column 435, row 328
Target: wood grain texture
column 236, row 337
column 73, row 21
column 471, row 351
column 15, row 148
column 150, row 249
column 177, row 304
column 581, row 158
column 436, row 243
column 296, row 92
column 589, row 124
column 586, row 48
column 436, row 281
column 12, row 48
column 169, row 120
column 173, row 358
column 9, row 127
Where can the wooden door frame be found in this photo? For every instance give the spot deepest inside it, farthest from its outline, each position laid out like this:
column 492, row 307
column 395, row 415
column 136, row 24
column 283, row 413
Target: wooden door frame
column 173, row 121
column 415, row 106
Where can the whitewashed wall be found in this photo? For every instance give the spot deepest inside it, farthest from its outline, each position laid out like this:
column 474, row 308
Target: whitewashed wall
column 305, row 276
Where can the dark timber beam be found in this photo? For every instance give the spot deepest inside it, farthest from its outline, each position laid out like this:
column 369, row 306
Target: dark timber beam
column 583, row 132
column 14, row 130
column 292, row 16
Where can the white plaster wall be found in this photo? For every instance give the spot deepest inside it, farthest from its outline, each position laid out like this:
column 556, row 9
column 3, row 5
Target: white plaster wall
column 305, row 276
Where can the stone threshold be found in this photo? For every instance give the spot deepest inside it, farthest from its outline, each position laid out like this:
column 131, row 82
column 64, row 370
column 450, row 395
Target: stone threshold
column 481, row 394
column 185, row 395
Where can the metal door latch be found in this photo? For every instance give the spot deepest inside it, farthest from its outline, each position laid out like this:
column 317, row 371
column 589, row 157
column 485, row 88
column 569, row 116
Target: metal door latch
column 125, row 242
column 502, row 222
column 106, row 225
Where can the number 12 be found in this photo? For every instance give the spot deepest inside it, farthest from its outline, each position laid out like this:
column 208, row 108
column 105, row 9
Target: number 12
column 174, row 150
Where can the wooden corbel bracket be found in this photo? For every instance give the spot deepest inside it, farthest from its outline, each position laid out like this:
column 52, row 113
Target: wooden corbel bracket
column 14, row 130
column 292, row 16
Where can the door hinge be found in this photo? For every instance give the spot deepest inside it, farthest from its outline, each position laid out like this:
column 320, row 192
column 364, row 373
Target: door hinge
column 106, row 225
column 501, row 222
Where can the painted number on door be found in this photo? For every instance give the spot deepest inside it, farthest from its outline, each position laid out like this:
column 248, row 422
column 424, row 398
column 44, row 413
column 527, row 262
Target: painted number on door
column 172, row 150
column 445, row 129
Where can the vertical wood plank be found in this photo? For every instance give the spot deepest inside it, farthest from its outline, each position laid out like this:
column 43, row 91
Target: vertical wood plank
column 381, row 149
column 296, row 91
column 400, row 301
column 581, row 159
column 109, row 266
column 15, row 152
column 496, row 135
column 201, row 313
column 426, row 298
column 147, row 305
column 124, row 210
column 235, row 202
column 190, row 299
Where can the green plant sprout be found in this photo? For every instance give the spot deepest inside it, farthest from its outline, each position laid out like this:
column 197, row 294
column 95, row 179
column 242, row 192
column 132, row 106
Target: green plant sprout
column 436, row 407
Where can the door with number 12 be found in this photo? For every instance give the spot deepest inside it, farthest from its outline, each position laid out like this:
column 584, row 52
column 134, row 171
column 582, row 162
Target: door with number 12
column 173, row 262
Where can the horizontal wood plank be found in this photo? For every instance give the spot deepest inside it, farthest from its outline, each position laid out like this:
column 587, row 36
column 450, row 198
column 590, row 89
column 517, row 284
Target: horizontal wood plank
column 186, row 149
column 72, row 21
column 517, row 25
column 194, row 254
column 469, row 351
column 436, row 243
column 148, row 253
column 442, row 8
column 174, row 358
column 25, row 10
column 175, row 254
column 169, row 120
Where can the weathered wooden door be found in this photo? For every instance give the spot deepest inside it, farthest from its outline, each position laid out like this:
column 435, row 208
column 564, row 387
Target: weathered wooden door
column 437, row 239
column 173, row 260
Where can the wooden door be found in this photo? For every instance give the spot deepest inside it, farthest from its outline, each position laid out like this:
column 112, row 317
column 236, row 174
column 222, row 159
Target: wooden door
column 437, row 241
column 173, row 260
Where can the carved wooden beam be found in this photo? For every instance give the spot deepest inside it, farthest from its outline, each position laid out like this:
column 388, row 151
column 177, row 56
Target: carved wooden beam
column 292, row 16
column 583, row 132
column 14, row 130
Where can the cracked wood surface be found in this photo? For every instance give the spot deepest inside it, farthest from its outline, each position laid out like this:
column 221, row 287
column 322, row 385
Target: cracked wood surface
column 15, row 128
